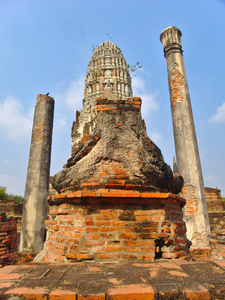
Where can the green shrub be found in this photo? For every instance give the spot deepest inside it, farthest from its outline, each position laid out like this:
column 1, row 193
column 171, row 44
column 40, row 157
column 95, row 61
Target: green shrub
column 5, row 196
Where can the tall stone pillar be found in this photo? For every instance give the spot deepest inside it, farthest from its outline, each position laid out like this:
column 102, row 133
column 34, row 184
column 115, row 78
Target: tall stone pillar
column 37, row 183
column 187, row 154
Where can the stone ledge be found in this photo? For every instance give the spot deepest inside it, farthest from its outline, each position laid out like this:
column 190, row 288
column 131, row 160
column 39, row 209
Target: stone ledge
column 115, row 195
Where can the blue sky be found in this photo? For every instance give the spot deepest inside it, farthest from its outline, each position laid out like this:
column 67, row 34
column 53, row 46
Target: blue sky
column 46, row 46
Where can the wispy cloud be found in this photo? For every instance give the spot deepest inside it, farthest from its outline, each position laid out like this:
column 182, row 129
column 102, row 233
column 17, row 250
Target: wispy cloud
column 210, row 177
column 61, row 122
column 219, row 117
column 149, row 99
column 73, row 94
column 68, row 99
column 156, row 137
column 14, row 185
column 6, row 162
column 14, row 122
column 210, row 180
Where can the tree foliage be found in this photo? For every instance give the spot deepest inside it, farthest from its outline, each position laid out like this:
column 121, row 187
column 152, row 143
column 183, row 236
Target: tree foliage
column 134, row 68
column 3, row 195
column 11, row 197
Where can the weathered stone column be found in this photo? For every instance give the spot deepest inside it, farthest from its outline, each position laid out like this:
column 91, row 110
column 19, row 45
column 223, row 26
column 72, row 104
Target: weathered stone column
column 37, row 183
column 187, row 154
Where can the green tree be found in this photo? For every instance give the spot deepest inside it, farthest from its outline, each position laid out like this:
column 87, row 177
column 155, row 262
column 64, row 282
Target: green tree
column 3, row 195
column 15, row 198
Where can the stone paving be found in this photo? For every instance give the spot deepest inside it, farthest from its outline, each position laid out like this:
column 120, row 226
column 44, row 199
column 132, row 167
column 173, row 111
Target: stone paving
column 174, row 279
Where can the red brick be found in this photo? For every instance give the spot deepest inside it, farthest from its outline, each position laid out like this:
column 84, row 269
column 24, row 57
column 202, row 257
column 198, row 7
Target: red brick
column 84, row 256
column 104, row 217
column 92, row 229
column 59, row 294
column 201, row 293
column 119, row 171
column 73, row 234
column 88, row 223
column 147, row 249
column 71, row 242
column 106, row 229
column 91, row 297
column 92, row 236
column 111, row 256
column 60, row 246
column 163, row 235
column 119, row 223
column 59, row 251
column 129, row 243
column 107, row 235
column 143, row 218
column 131, row 249
column 150, row 235
column 103, row 175
column 147, row 257
column 145, row 243
column 128, row 236
column 103, row 223
column 94, row 243
column 129, row 256
column 70, row 255
column 113, row 249
column 60, row 258
column 52, row 256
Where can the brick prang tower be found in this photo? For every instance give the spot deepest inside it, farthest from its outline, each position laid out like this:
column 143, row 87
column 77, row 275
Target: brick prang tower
column 116, row 195
column 37, row 183
column 107, row 72
column 187, row 154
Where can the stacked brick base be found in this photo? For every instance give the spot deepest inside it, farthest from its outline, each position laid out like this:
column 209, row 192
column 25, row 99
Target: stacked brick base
column 8, row 240
column 108, row 225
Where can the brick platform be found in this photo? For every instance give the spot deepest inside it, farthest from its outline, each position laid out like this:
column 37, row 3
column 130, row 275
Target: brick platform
column 115, row 225
column 114, row 281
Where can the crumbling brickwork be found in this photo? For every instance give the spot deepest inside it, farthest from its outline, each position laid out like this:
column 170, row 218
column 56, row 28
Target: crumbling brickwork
column 119, row 138
column 8, row 240
column 214, row 201
column 177, row 86
column 116, row 195
column 115, row 225
column 12, row 209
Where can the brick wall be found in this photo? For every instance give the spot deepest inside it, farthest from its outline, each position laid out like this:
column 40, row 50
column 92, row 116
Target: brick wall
column 213, row 199
column 8, row 240
column 121, row 228
column 218, row 248
column 12, row 209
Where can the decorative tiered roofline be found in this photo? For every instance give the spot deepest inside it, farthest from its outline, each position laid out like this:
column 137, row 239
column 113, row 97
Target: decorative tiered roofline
column 107, row 71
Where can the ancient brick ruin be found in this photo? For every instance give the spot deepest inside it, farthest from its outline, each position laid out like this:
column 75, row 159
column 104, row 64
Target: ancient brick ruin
column 12, row 209
column 8, row 240
column 107, row 71
column 116, row 196
column 214, row 200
